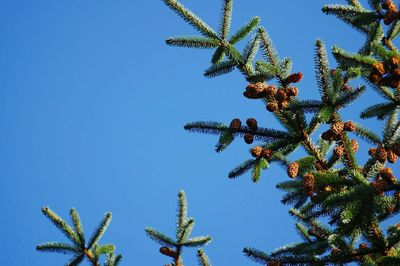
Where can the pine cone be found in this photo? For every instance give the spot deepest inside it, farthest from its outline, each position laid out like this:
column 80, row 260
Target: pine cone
column 283, row 105
column 235, row 123
column 248, row 138
column 256, row 151
column 380, row 68
column 354, row 145
column 387, row 175
column 379, row 186
column 170, row 252
column 338, row 151
column 252, row 123
column 308, row 184
column 281, row 95
column 274, row 263
column 346, row 88
column 319, row 166
column 372, row 152
column 271, row 90
column 362, row 246
column 294, row 78
column 267, row 154
column 389, row 17
column 392, row 81
column 381, row 154
column 396, row 149
column 391, row 156
column 350, row 126
column 337, row 128
column 272, row 106
column 396, row 72
column 375, row 77
column 255, row 90
column 328, row 135
column 293, row 169
column 293, row 91
column 389, row 5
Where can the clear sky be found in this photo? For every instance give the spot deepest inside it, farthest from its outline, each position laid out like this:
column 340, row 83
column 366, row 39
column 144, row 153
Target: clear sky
column 92, row 108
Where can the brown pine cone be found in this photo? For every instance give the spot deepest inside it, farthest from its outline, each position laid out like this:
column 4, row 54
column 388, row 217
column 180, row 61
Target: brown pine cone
column 283, row 105
column 235, row 123
column 375, row 77
column 380, row 68
column 392, row 81
column 294, row 78
column 293, row 91
column 387, row 175
column 381, row 154
column 274, row 263
column 272, row 106
column 389, row 17
column 255, row 90
column 337, row 128
column 270, row 90
column 391, row 156
column 170, row 252
column 346, row 88
column 281, row 95
column 328, row 135
column 389, row 5
column 256, row 151
column 319, row 166
column 350, row 126
column 362, row 246
column 372, row 152
column 252, row 123
column 267, row 153
column 394, row 62
column 338, row 151
column 293, row 169
column 308, row 184
column 396, row 72
column 354, row 145
column 248, row 138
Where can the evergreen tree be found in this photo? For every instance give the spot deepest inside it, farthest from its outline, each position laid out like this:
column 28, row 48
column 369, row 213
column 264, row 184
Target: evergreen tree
column 339, row 202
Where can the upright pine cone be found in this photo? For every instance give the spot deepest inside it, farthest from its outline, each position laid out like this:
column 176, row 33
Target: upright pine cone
column 293, row 91
column 294, row 78
column 337, row 128
column 270, row 90
column 350, row 126
column 391, row 81
column 267, row 153
column 283, row 105
column 256, row 151
column 170, row 252
column 308, row 184
column 389, row 5
column 354, row 145
column 380, row 68
column 362, row 246
column 391, row 156
column 293, row 169
column 375, row 77
column 328, row 135
column 256, row 90
column 248, row 138
column 281, row 95
column 372, row 152
column 381, row 154
column 338, row 151
column 387, row 175
column 252, row 123
column 272, row 106
column 235, row 123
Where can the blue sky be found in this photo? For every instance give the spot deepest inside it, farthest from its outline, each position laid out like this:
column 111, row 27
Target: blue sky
column 92, row 108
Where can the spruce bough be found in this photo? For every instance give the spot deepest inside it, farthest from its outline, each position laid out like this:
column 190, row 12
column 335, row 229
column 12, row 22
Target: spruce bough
column 338, row 202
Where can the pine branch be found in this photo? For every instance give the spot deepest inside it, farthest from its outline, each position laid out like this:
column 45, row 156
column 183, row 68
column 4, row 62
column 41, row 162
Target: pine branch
column 78, row 226
column 197, row 241
column 348, row 97
column 244, row 31
column 98, row 233
column 193, row 42
column 322, row 71
column 191, row 18
column 367, row 134
column 379, row 111
column 218, row 55
column 203, row 258
column 160, row 237
column 220, row 68
column 307, row 106
column 76, row 260
column 226, row 16
column 347, row 60
column 58, row 248
column 241, row 169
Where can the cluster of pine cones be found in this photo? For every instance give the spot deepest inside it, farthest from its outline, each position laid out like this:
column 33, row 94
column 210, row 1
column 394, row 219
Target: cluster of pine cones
column 383, row 154
column 278, row 99
column 386, row 73
column 383, row 180
column 236, row 124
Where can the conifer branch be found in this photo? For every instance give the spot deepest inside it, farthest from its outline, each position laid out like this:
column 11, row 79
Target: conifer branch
column 244, row 31
column 203, row 258
column 193, row 42
column 226, row 19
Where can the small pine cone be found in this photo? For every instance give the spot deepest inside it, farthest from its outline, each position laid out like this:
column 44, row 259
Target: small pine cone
column 396, row 72
column 389, row 5
column 281, row 95
column 394, row 62
column 354, row 145
column 248, row 138
column 375, row 77
column 293, row 91
column 380, row 68
column 362, row 246
column 346, row 88
column 391, row 156
column 389, row 17
column 337, row 128
column 338, row 151
column 396, row 149
column 319, row 166
column 308, row 184
column 267, row 153
column 328, row 135
column 294, row 78
column 274, row 263
column 235, row 123
column 372, row 152
column 293, row 169
column 387, row 175
column 350, row 126
column 255, row 90
column 381, row 154
column 380, row 186
column 270, row 90
column 252, row 123
column 256, row 151
column 170, row 252
column 283, row 105
column 392, row 81
column 272, row 106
